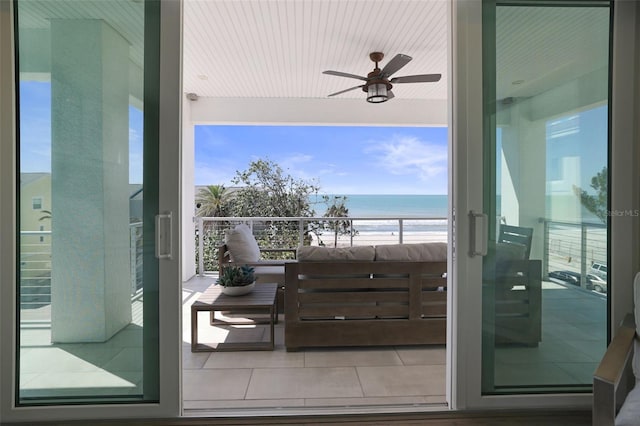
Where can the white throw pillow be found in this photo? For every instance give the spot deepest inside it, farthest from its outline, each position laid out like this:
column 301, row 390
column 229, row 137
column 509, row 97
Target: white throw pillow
column 242, row 246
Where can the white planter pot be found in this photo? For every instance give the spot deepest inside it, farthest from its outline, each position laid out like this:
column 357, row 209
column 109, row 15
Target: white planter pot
column 238, row 291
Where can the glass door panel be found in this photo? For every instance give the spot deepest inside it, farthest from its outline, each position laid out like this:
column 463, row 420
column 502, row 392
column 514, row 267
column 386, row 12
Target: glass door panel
column 545, row 193
column 84, row 330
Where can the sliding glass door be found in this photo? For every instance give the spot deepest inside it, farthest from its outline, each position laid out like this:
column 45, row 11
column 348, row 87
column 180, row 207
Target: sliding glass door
column 545, row 150
column 96, row 266
column 534, row 97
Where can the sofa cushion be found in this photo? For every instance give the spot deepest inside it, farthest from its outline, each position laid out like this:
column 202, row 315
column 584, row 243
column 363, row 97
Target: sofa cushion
column 242, row 246
column 425, row 252
column 321, row 254
column 269, row 274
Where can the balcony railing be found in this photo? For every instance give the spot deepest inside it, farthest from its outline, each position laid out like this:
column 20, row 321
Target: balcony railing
column 573, row 246
column 35, row 265
column 566, row 245
column 290, row 232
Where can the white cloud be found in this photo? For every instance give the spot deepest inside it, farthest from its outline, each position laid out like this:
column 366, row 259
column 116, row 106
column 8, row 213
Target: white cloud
column 404, row 155
column 297, row 165
column 221, row 174
column 134, row 136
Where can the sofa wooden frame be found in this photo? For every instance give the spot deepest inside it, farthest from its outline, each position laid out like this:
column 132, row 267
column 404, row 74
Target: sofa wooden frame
column 365, row 303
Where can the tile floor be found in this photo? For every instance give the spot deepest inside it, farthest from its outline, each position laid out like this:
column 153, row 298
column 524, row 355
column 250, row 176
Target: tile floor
column 572, row 344
column 572, row 324
column 309, row 378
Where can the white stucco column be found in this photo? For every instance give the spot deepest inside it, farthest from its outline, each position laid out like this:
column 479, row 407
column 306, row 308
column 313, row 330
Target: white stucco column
column 188, row 192
column 90, row 285
column 523, row 185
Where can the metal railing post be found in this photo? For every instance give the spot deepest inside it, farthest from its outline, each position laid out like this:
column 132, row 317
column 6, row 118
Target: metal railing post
column 300, row 232
column 583, row 255
column 350, row 233
column 545, row 249
column 200, row 247
column 132, row 258
column 400, row 230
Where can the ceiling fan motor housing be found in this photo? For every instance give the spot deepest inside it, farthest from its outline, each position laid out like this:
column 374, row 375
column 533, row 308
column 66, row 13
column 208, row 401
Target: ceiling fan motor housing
column 375, row 77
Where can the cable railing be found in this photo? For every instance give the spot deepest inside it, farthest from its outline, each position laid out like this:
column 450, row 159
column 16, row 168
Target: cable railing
column 35, row 265
column 291, row 232
column 573, row 246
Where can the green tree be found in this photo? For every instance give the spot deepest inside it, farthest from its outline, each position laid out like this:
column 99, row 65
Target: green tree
column 337, row 208
column 596, row 204
column 267, row 191
column 212, row 201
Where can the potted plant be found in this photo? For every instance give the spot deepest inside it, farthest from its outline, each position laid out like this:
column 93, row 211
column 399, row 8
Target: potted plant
column 237, row 280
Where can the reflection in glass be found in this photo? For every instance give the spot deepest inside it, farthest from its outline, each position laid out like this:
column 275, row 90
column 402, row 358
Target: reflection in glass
column 544, row 304
column 80, row 213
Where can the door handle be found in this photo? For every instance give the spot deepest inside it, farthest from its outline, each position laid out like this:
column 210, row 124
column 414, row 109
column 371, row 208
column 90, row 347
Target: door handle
column 478, row 233
column 164, row 236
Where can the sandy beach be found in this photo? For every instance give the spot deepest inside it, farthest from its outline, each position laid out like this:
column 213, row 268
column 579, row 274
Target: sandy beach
column 376, row 238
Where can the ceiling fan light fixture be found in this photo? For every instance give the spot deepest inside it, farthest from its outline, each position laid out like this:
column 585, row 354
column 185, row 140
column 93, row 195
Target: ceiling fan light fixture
column 377, row 93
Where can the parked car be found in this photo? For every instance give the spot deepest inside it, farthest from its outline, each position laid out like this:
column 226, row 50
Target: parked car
column 568, row 277
column 596, row 283
column 599, row 269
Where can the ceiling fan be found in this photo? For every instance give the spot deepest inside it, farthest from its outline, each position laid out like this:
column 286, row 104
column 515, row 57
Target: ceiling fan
column 377, row 85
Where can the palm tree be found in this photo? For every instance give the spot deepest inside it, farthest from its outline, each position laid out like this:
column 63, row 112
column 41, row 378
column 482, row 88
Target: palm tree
column 46, row 215
column 212, row 201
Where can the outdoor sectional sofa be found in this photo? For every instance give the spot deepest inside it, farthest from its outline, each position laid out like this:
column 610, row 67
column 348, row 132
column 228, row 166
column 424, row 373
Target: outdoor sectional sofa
column 366, row 296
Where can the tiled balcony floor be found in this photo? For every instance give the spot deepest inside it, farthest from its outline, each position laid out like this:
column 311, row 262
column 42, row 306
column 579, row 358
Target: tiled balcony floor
column 573, row 343
column 309, row 378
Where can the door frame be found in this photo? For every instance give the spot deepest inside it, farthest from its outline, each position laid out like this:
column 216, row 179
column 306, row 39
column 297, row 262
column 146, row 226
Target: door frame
column 467, row 177
column 170, row 299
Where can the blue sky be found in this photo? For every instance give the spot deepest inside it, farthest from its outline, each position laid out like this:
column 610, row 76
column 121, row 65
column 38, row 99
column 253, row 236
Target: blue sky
column 341, row 160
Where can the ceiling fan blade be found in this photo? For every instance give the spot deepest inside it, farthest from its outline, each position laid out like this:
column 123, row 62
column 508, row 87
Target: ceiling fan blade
column 420, row 78
column 344, row 74
column 390, row 95
column 346, row 90
column 395, row 64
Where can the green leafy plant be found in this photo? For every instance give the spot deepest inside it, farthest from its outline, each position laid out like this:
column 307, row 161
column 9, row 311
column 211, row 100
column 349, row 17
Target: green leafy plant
column 597, row 203
column 236, row 276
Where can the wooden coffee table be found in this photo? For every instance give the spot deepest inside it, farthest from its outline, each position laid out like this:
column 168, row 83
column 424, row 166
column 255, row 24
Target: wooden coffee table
column 261, row 300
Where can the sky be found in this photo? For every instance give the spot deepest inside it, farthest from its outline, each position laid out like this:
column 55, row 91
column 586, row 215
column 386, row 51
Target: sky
column 340, row 159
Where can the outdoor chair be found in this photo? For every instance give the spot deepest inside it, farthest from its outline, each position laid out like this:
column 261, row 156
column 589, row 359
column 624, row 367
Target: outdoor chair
column 241, row 248
column 517, row 288
column 616, row 382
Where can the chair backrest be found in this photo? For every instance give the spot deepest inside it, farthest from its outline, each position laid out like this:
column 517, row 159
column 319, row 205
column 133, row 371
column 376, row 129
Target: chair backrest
column 517, row 235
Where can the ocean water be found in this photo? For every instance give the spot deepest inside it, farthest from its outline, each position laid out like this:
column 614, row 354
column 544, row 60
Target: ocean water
column 360, row 205
column 384, row 208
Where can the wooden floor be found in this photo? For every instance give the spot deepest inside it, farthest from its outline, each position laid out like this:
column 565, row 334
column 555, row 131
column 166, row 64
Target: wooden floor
column 520, row 418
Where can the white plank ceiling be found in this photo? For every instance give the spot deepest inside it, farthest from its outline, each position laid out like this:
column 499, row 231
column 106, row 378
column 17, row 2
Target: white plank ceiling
column 279, row 48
